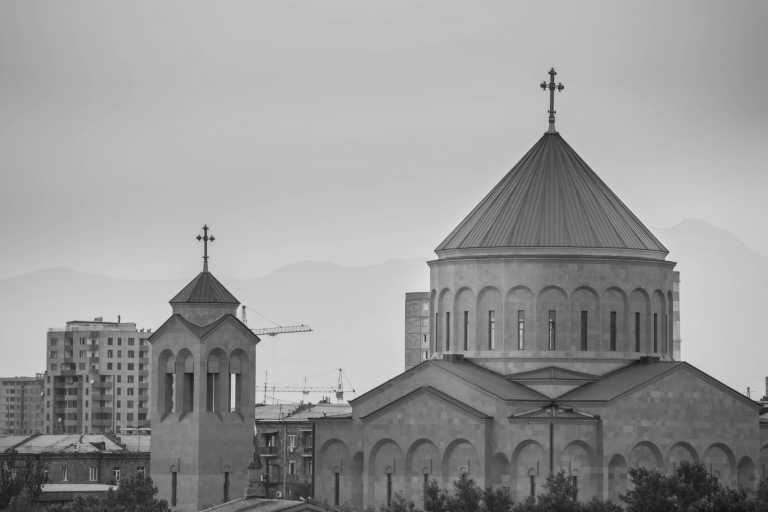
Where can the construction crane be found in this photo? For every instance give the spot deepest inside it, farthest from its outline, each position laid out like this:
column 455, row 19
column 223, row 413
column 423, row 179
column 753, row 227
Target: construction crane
column 278, row 329
column 305, row 390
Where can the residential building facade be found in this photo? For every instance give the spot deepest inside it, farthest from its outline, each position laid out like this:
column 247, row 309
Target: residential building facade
column 97, row 377
column 417, row 327
column 21, row 405
column 285, row 444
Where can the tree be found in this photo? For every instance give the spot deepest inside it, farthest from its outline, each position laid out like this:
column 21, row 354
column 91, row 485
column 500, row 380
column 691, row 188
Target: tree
column 497, row 500
column 560, row 494
column 466, row 496
column 17, row 476
column 399, row 504
column 435, row 498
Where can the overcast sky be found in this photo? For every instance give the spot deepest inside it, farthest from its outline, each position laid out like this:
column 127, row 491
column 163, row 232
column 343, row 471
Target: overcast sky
column 355, row 131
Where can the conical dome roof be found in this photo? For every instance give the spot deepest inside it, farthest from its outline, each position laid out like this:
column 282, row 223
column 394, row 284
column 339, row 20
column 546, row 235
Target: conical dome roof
column 204, row 289
column 551, row 203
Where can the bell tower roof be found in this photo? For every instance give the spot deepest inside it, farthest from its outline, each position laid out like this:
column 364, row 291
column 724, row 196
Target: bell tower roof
column 204, row 289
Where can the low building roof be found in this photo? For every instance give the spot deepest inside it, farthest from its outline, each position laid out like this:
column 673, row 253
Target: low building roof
column 8, row 442
column 69, row 443
column 264, row 505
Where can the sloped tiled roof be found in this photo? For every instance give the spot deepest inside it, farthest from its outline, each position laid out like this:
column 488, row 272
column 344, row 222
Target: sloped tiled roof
column 552, row 199
column 489, row 380
column 204, row 289
column 620, row 381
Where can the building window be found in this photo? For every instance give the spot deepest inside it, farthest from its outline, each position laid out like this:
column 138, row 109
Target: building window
column 491, row 329
column 170, row 393
column 130, row 379
column 52, row 354
column 226, row 486
column 552, row 329
column 174, row 483
column 584, row 327
column 64, row 473
column 109, row 341
column 389, row 489
column 655, row 332
column 291, row 467
column 532, row 492
column 119, row 366
column 53, row 342
column 116, row 474
column 466, row 330
column 520, row 329
column 130, row 366
column 131, row 353
column 291, row 442
column 613, row 330
column 447, row 330
column 109, row 366
column 235, row 390
column 637, row 332
column 131, row 341
column 119, row 341
column 336, row 488
column 93, row 474
column 53, row 367
column 308, row 466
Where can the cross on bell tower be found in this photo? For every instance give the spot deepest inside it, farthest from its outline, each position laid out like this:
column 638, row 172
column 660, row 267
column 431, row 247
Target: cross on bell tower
column 205, row 239
column 551, row 86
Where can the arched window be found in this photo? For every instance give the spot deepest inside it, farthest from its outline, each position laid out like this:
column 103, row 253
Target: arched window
column 216, row 382
column 185, row 376
column 238, row 369
column 166, row 393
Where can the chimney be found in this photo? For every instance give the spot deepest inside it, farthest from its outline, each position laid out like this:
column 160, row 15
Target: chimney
column 118, row 318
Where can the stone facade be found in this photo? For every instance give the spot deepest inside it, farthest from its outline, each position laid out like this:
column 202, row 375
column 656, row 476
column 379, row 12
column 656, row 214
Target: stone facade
column 203, row 398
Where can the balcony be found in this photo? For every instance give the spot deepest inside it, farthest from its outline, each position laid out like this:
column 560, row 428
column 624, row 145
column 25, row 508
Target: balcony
column 269, row 451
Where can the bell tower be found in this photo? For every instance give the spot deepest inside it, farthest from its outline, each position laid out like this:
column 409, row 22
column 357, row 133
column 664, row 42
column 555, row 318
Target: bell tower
column 202, row 405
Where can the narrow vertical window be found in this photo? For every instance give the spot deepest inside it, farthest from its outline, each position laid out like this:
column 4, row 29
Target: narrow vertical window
column 210, row 392
column 389, row 489
column 189, row 392
column 234, row 391
column 491, row 330
column 655, row 332
column 437, row 324
column 637, row 332
column 447, row 330
column 466, row 330
column 575, row 483
column 613, row 330
column 521, row 329
column 174, row 483
column 552, row 329
column 336, row 488
column 170, row 393
column 532, row 492
column 226, row 486
column 584, row 328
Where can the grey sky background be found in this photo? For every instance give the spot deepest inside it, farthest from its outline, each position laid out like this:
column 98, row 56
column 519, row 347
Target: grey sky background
column 352, row 131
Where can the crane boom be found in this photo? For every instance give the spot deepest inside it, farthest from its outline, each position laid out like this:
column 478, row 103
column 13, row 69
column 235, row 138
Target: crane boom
column 283, row 329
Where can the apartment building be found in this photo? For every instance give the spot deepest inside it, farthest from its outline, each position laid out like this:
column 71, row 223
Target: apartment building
column 21, row 405
column 97, row 377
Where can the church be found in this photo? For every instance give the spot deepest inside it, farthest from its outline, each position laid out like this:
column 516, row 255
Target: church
column 553, row 345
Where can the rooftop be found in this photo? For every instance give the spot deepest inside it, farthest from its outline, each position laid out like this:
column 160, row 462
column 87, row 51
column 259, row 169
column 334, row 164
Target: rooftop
column 204, row 289
column 551, row 202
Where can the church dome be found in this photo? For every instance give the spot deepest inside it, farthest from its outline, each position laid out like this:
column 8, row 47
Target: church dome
column 551, row 203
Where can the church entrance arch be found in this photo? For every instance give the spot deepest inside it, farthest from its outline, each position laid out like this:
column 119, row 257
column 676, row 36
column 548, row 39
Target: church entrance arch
column 386, row 473
column 461, row 459
column 646, row 454
column 423, row 463
column 680, row 452
column 746, row 476
column 576, row 462
column 719, row 461
column 530, row 469
column 617, row 478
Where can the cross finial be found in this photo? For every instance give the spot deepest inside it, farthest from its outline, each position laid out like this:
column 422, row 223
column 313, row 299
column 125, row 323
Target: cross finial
column 551, row 86
column 205, row 238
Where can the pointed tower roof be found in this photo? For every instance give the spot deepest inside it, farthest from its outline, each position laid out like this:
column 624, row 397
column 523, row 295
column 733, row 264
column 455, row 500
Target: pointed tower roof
column 552, row 203
column 204, row 289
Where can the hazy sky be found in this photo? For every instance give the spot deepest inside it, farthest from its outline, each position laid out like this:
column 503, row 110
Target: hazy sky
column 355, row 131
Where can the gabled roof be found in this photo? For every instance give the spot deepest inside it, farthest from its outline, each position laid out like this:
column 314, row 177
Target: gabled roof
column 202, row 331
column 204, row 289
column 551, row 199
column 475, row 375
column 551, row 373
column 433, row 392
column 634, row 376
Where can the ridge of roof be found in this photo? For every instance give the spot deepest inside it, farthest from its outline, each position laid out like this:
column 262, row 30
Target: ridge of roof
column 552, row 199
column 204, row 289
column 432, row 391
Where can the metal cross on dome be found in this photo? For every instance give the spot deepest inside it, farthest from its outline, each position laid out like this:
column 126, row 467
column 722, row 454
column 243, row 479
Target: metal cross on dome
column 551, row 86
column 205, row 239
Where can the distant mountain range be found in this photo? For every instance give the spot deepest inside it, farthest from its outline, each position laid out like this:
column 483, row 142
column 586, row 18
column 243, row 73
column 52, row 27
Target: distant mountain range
column 357, row 312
